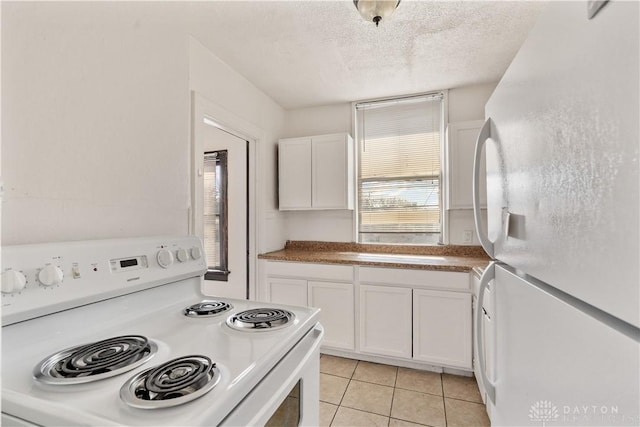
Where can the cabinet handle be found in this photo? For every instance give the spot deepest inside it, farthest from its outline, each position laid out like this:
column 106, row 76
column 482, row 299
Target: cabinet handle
column 485, row 133
column 488, row 275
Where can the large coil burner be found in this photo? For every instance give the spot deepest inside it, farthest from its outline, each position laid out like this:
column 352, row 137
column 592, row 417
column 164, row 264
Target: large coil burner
column 261, row 319
column 173, row 383
column 95, row 361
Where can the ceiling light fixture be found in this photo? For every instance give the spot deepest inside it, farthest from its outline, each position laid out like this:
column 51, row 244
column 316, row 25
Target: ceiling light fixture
column 376, row 10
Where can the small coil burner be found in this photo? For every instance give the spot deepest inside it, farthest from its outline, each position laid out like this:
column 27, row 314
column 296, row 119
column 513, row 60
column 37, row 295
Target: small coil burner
column 95, row 361
column 173, row 383
column 207, row 309
column 261, row 319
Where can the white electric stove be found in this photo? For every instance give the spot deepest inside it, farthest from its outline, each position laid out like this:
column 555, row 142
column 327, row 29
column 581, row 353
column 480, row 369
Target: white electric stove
column 117, row 332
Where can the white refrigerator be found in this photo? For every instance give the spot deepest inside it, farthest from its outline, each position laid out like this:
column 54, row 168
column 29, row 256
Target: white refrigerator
column 562, row 149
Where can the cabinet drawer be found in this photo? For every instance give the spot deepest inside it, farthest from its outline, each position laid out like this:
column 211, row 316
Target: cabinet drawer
column 339, row 273
column 449, row 280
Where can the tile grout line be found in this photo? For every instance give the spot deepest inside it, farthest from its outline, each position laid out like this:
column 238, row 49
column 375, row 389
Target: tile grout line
column 444, row 401
column 465, row 400
column 334, row 416
column 393, row 395
column 345, row 389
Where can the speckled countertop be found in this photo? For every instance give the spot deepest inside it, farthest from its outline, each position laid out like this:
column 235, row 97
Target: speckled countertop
column 444, row 258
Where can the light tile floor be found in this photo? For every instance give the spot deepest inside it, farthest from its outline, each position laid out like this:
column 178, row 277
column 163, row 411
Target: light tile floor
column 358, row 393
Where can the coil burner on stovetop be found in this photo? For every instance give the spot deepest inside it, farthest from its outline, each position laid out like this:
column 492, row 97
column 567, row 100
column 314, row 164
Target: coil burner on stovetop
column 261, row 319
column 95, row 361
column 207, row 309
column 173, row 383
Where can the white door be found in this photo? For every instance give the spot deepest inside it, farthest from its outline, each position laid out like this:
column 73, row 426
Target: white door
column 230, row 238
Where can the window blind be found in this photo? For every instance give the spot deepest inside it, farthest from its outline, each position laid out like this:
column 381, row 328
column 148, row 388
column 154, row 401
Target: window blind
column 399, row 174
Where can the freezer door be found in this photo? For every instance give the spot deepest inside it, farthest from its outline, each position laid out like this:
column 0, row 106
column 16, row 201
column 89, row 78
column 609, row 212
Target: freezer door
column 557, row 365
column 562, row 159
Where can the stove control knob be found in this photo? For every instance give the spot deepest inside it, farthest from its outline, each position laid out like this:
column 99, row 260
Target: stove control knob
column 165, row 258
column 13, row 281
column 182, row 255
column 196, row 253
column 50, row 275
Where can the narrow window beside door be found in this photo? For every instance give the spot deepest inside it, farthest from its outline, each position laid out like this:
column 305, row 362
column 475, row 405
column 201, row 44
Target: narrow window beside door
column 215, row 215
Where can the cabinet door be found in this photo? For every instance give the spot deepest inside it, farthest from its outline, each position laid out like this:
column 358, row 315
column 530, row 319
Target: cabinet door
column 287, row 291
column 442, row 328
column 332, row 171
column 294, row 173
column 337, row 317
column 385, row 320
column 461, row 143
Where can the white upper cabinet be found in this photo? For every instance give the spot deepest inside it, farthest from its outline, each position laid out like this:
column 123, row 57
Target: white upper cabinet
column 316, row 172
column 461, row 143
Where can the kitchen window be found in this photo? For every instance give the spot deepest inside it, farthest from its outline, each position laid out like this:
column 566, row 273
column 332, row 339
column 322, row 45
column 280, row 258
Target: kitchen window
column 399, row 173
column 215, row 215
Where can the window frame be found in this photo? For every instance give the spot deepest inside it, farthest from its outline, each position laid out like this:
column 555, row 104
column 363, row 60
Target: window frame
column 443, row 180
column 221, row 272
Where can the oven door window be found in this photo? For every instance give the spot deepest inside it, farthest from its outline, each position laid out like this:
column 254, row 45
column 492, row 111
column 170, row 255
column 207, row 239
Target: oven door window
column 288, row 413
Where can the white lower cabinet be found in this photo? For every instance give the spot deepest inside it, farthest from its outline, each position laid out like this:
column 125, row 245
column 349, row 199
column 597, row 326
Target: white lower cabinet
column 327, row 287
column 442, row 328
column 385, row 320
column 407, row 314
column 336, row 302
column 424, row 325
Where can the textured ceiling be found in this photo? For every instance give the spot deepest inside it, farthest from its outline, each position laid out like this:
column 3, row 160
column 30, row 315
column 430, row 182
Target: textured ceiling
column 306, row 53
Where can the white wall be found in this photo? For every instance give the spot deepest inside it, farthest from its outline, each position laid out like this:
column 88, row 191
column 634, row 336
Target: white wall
column 465, row 103
column 318, row 120
column 95, row 113
column 96, row 119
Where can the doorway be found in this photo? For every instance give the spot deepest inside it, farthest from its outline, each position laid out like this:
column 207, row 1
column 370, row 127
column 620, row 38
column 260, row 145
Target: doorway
column 221, row 211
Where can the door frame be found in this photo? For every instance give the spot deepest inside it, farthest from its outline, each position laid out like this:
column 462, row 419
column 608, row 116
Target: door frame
column 228, row 122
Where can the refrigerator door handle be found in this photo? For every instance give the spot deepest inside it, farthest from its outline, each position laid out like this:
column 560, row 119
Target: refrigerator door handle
column 488, row 275
column 485, row 133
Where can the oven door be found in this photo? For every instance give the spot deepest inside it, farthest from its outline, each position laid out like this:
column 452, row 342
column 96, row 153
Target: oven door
column 290, row 393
